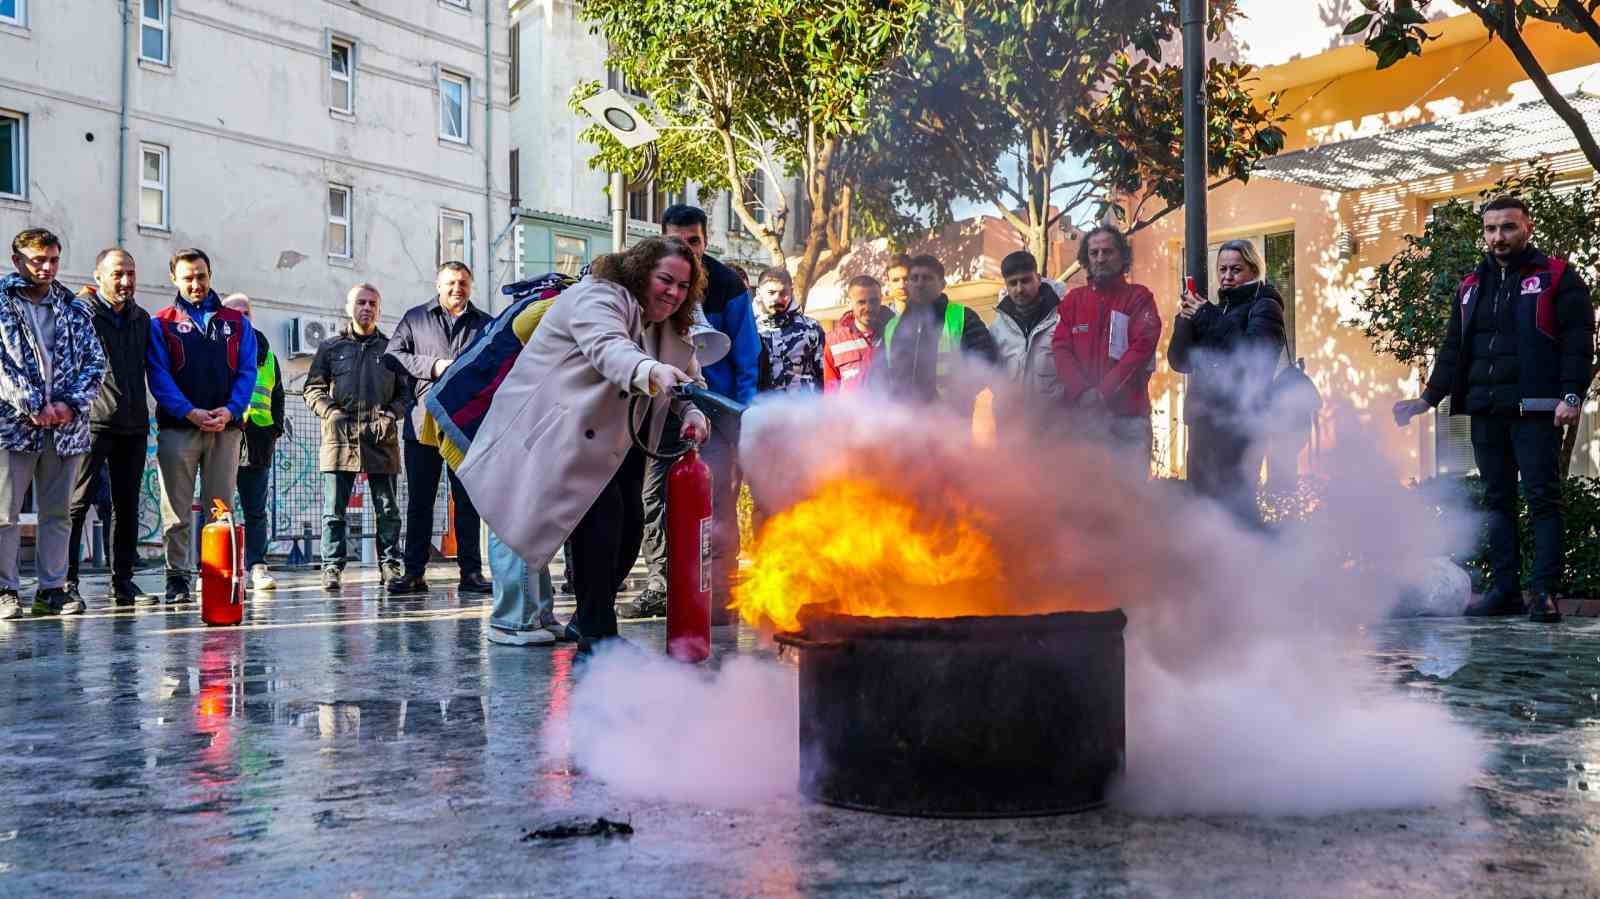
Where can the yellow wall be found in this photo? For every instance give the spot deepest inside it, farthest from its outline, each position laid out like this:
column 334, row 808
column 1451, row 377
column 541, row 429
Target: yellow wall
column 1462, row 77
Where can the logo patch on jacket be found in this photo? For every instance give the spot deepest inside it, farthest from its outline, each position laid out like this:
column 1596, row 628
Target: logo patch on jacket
column 1532, row 285
column 184, row 327
column 1080, row 328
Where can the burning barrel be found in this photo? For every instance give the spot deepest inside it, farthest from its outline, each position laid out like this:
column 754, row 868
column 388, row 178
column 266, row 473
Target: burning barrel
column 970, row 717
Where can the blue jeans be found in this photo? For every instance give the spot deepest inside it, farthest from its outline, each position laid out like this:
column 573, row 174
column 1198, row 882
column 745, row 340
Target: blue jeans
column 336, row 489
column 252, row 486
column 516, row 606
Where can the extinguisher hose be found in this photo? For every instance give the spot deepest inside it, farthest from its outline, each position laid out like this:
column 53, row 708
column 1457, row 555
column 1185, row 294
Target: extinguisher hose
column 666, row 455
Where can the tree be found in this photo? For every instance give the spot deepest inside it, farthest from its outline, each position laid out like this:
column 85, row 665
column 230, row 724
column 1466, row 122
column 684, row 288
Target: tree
column 993, row 87
column 1396, row 29
column 743, row 86
column 1406, row 309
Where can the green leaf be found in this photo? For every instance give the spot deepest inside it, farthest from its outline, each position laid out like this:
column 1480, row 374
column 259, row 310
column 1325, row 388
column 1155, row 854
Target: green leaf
column 1358, row 24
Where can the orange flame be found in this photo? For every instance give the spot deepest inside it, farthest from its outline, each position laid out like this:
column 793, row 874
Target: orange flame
column 858, row 548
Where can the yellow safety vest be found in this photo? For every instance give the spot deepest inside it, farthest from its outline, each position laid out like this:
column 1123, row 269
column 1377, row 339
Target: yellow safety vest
column 260, row 411
column 955, row 321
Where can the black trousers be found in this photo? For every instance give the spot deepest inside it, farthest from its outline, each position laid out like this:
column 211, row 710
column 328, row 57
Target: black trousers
column 605, row 544
column 124, row 457
column 423, row 467
column 1504, row 446
column 1225, row 465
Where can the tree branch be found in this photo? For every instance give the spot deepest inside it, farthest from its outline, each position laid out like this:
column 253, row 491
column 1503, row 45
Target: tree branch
column 1584, row 18
column 1141, row 225
column 1530, row 64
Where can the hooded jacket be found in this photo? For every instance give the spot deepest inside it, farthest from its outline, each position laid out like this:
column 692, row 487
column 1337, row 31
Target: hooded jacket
column 77, row 368
column 848, row 354
column 792, row 350
column 1545, row 328
column 727, row 306
column 360, row 401
column 1022, row 341
column 122, row 405
column 1106, row 341
column 1230, row 350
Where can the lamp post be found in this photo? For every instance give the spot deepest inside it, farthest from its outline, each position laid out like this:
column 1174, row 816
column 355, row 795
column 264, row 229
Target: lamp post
column 1195, row 167
column 616, row 114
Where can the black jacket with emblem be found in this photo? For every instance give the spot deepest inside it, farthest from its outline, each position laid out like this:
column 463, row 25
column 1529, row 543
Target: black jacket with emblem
column 360, row 399
column 122, row 406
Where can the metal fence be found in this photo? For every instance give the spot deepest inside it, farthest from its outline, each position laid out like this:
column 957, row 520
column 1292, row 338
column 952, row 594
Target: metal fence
column 295, row 499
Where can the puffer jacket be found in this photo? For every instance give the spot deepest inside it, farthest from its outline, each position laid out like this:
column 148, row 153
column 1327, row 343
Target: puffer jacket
column 1230, row 351
column 78, row 367
column 1027, row 358
column 361, row 401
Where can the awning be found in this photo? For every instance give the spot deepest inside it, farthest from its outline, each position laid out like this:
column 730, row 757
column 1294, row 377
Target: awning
column 1515, row 132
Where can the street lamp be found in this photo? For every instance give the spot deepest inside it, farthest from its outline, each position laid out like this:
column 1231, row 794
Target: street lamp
column 1195, row 168
column 616, row 114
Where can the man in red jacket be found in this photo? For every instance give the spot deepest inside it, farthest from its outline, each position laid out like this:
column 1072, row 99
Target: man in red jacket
column 1105, row 345
column 858, row 337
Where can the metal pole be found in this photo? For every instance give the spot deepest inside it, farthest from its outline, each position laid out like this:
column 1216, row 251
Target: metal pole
column 488, row 143
column 619, row 212
column 1195, row 168
column 122, row 124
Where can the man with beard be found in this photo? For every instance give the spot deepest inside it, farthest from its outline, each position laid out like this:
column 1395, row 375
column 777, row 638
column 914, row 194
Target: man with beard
column 1517, row 358
column 1105, row 344
column 791, row 340
column 922, row 345
column 1023, row 326
column 857, row 339
column 119, row 423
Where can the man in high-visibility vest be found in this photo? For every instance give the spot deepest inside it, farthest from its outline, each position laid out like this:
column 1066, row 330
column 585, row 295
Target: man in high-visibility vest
column 263, row 425
column 922, row 346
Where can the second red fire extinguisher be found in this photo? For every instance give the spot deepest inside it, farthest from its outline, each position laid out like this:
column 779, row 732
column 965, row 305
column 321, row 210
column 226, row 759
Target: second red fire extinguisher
column 689, row 525
column 221, row 564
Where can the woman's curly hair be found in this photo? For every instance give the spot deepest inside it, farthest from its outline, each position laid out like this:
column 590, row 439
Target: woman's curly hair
column 632, row 268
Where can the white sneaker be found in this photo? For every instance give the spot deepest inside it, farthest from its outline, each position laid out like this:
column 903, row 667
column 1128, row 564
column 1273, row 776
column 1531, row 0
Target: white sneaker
column 536, row 637
column 260, row 579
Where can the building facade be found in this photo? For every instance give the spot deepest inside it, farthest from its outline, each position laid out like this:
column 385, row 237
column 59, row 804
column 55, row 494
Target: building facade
column 305, row 145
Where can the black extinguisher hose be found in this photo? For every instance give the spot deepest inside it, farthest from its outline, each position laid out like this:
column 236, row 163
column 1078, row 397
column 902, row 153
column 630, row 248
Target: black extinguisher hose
column 715, row 406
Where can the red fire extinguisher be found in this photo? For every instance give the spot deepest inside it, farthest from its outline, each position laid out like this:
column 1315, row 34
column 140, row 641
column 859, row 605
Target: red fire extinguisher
column 221, row 564
column 689, row 526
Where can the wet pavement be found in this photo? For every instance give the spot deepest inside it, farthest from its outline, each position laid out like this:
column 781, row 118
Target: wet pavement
column 358, row 745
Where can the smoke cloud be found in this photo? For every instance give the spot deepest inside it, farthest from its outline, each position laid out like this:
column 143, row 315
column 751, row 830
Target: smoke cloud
column 1248, row 686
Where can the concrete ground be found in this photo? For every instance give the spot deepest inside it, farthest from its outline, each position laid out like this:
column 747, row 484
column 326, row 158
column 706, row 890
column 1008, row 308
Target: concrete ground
column 356, row 745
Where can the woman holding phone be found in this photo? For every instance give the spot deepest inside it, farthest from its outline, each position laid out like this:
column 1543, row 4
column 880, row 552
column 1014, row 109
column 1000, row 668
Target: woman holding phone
column 1230, row 349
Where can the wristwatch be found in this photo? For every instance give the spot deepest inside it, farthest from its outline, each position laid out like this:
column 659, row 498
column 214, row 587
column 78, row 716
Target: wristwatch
column 1573, row 400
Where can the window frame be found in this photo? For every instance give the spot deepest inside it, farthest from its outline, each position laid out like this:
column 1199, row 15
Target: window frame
column 164, row 185
column 335, row 43
column 466, row 235
column 458, row 4
column 515, row 179
column 20, row 20
column 348, row 221
column 163, row 25
column 514, row 47
column 584, row 257
column 20, row 159
column 466, row 106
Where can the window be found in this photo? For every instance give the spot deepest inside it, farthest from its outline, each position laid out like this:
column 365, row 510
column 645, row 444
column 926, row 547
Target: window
column 516, row 60
column 646, row 204
column 153, row 171
column 14, row 12
column 341, row 66
column 1278, row 256
column 455, row 237
column 455, row 91
column 339, row 221
column 571, row 253
column 620, row 82
column 13, row 155
column 153, row 30
column 516, row 178
column 754, row 200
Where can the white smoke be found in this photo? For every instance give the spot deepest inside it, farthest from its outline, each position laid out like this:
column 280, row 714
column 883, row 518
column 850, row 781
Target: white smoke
column 1249, row 690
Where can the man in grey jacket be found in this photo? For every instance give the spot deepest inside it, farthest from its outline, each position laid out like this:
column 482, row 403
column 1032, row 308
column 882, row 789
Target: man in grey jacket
column 360, row 401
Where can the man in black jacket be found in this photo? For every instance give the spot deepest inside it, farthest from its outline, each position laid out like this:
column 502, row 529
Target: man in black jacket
column 263, row 425
column 923, row 344
column 426, row 341
column 1517, row 358
column 119, row 423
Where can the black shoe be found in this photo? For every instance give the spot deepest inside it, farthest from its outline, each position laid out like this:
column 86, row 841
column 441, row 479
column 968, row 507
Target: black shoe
column 393, row 571
column 56, row 601
column 124, row 592
column 474, row 583
column 649, row 604
column 330, row 580
column 408, row 584
column 177, row 589
column 72, row 601
column 1542, row 608
column 566, row 587
column 1494, row 604
column 613, row 643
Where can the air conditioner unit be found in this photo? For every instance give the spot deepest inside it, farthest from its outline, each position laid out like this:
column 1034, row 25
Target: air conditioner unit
column 306, row 334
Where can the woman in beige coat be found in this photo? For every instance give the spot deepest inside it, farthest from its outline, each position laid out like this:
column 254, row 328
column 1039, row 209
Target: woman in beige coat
column 554, row 458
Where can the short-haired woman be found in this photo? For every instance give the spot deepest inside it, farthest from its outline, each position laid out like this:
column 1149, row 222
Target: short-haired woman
column 554, row 458
column 1230, row 350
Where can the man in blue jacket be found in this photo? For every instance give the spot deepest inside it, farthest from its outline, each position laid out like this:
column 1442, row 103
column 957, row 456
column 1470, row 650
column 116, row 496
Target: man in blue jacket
column 201, row 365
column 727, row 306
